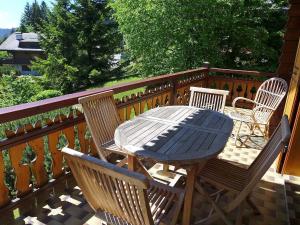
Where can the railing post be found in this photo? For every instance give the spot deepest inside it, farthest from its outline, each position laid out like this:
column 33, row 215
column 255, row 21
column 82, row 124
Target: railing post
column 173, row 92
column 207, row 66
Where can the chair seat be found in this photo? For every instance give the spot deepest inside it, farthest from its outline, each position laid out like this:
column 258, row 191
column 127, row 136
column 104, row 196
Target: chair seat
column 245, row 118
column 164, row 201
column 224, row 174
column 111, row 147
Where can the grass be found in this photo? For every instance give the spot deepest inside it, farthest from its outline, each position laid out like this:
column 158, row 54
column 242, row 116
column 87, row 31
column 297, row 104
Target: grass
column 120, row 81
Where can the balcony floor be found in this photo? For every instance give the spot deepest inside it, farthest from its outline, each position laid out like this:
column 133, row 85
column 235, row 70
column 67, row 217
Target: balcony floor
column 277, row 196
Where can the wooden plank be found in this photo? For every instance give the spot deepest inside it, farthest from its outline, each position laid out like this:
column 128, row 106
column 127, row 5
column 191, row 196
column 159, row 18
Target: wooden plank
column 22, row 171
column 4, row 199
column 121, row 112
column 241, row 72
column 57, row 159
column 290, row 46
column 294, row 10
column 293, row 93
column 292, row 35
column 287, row 57
column 70, row 135
column 83, row 142
column 141, row 138
column 38, row 168
column 291, row 163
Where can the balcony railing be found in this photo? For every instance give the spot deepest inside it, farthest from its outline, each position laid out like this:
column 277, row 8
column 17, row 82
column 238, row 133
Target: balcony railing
column 32, row 134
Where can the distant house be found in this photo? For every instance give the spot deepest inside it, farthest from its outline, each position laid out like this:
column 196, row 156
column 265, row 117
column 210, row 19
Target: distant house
column 24, row 47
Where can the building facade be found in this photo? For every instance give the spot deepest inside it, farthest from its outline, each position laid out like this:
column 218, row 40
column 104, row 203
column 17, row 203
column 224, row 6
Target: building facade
column 23, row 48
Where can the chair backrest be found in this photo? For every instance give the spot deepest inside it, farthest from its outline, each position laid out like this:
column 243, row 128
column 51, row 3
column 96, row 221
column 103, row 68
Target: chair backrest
column 102, row 118
column 267, row 156
column 270, row 94
column 206, row 98
column 110, row 189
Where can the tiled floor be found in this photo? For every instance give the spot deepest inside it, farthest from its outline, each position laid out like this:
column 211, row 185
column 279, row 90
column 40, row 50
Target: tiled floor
column 277, row 196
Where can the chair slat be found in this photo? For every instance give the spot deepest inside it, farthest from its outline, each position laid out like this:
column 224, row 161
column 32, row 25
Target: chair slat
column 102, row 118
column 120, row 195
column 206, row 98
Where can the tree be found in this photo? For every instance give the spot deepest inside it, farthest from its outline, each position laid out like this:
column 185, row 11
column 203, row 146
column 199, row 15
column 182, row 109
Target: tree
column 80, row 39
column 26, row 18
column 33, row 17
column 166, row 36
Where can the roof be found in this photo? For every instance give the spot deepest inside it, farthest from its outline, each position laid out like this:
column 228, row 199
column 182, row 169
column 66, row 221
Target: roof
column 12, row 44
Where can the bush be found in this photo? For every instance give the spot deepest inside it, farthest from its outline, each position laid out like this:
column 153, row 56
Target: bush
column 8, row 70
column 17, row 90
column 46, row 94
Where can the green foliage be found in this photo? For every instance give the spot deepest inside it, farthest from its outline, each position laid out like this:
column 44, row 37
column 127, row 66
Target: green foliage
column 166, row 36
column 16, row 90
column 8, row 70
column 57, row 74
column 46, row 94
column 34, row 16
column 80, row 40
column 3, row 55
column 95, row 76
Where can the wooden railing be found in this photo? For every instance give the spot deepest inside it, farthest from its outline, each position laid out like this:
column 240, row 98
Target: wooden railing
column 239, row 83
column 34, row 133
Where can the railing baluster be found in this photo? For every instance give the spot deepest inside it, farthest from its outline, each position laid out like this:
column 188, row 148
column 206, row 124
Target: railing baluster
column 83, row 142
column 53, row 140
column 69, row 132
column 4, row 198
column 22, row 172
column 38, row 168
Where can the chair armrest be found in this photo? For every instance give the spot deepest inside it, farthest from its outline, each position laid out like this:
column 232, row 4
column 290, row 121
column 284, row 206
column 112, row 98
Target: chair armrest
column 242, row 98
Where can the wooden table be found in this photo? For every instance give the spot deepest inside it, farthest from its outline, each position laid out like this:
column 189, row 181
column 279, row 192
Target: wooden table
column 178, row 135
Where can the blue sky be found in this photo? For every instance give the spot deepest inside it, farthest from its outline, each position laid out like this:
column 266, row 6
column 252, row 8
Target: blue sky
column 12, row 10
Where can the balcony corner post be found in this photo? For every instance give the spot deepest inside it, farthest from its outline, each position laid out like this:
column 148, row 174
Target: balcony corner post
column 173, row 92
column 207, row 66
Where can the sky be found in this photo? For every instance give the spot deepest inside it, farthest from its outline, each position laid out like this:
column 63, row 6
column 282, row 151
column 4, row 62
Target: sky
column 12, row 10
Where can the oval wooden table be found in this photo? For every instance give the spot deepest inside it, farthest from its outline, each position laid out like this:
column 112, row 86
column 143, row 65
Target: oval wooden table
column 177, row 135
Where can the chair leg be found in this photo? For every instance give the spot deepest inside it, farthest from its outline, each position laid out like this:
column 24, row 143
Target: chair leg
column 239, row 216
column 123, row 162
column 253, row 206
column 219, row 211
column 237, row 136
column 247, row 136
column 178, row 209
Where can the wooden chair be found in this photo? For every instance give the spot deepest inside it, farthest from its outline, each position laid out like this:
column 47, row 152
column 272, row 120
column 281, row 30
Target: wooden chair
column 206, row 98
column 228, row 177
column 120, row 196
column 102, row 119
column 268, row 97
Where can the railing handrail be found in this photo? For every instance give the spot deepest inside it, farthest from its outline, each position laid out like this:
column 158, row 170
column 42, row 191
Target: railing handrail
column 16, row 112
column 11, row 113
column 242, row 72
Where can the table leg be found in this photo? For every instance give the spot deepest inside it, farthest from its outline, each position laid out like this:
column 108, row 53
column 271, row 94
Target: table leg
column 132, row 163
column 135, row 165
column 189, row 191
column 165, row 167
